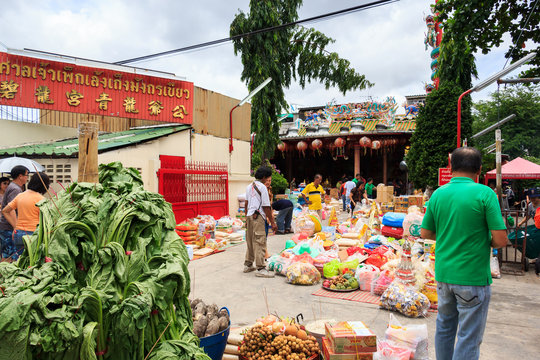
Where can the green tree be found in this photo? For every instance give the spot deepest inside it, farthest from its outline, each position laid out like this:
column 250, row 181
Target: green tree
column 483, row 24
column 520, row 134
column 435, row 134
column 287, row 54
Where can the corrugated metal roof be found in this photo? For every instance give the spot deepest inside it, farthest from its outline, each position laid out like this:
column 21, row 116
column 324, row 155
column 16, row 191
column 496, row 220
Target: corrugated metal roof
column 106, row 142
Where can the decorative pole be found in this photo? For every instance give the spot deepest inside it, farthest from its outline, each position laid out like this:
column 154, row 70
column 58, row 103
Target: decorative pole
column 88, row 152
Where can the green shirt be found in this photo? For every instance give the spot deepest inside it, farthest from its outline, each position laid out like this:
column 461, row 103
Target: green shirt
column 369, row 188
column 462, row 213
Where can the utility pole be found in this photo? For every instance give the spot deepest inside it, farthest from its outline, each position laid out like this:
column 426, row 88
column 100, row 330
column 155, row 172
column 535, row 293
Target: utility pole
column 88, row 152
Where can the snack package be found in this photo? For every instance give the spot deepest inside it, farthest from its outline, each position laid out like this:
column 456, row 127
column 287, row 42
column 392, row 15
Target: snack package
column 331, row 269
column 365, row 275
column 305, row 258
column 405, row 300
column 413, row 337
column 381, row 283
column 413, row 222
column 303, row 274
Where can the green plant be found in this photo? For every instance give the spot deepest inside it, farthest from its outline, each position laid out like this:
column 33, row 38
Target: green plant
column 104, row 277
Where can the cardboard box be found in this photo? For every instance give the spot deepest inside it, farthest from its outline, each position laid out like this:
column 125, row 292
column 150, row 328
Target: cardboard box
column 350, row 337
column 401, row 204
column 416, row 200
column 329, row 353
column 385, row 193
column 334, row 193
column 282, row 197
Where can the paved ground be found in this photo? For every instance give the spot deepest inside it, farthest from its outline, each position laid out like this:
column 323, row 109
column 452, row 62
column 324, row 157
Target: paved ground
column 512, row 332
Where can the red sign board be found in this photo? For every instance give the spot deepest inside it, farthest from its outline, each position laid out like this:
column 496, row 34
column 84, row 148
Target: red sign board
column 44, row 84
column 445, row 175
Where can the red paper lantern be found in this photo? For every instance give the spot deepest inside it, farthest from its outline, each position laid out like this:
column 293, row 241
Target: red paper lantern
column 316, row 144
column 302, row 146
column 282, row 147
column 339, row 142
column 376, row 145
column 365, row 142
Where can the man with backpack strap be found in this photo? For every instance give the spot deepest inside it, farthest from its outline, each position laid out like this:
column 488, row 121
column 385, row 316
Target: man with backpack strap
column 257, row 211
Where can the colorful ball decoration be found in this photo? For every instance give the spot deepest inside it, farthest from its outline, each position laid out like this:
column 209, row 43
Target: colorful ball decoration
column 282, row 147
column 339, row 142
column 376, row 145
column 316, row 144
column 365, row 142
column 302, row 146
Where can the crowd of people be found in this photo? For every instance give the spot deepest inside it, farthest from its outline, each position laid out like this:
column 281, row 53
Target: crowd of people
column 19, row 213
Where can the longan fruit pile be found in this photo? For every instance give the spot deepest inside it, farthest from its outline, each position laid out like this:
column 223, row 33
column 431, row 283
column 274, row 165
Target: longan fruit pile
column 262, row 344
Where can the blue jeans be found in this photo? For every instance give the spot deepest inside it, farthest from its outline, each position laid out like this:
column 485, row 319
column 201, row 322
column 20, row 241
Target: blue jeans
column 465, row 307
column 6, row 237
column 344, row 199
column 284, row 219
column 18, row 242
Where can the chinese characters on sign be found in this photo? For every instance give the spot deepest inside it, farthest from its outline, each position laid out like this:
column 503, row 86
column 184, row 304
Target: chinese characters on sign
column 36, row 83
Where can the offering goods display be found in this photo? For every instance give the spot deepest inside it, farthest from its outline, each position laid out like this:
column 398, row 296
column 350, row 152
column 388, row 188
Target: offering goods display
column 345, row 282
column 278, row 339
column 302, row 273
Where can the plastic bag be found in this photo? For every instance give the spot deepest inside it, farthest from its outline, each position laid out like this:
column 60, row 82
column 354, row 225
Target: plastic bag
column 331, row 269
column 304, row 258
column 352, row 250
column 304, row 224
column 413, row 337
column 377, row 260
column 393, row 219
column 351, row 265
column 303, row 274
column 388, row 350
column 495, row 269
column 365, row 275
column 413, row 222
column 381, row 283
column 405, row 300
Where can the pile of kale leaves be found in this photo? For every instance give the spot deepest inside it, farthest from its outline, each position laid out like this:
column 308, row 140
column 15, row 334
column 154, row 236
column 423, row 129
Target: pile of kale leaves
column 103, row 277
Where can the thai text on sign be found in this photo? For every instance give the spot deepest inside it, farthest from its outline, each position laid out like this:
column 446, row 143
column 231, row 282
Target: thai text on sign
column 44, row 84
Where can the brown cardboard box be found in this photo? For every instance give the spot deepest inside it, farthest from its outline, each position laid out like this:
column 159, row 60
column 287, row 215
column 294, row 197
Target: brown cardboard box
column 334, row 193
column 281, row 197
column 329, row 353
column 385, row 193
column 350, row 337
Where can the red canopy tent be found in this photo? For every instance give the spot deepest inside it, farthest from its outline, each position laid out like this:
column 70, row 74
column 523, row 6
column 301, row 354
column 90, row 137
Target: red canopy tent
column 516, row 169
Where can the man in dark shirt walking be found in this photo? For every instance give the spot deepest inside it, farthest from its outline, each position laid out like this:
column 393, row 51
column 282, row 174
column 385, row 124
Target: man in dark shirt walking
column 284, row 217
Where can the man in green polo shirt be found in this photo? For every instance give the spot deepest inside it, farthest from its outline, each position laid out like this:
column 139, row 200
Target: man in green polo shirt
column 465, row 219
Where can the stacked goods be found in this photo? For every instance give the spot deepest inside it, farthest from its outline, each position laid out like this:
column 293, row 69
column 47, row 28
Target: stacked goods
column 385, row 194
column 187, row 232
column 104, row 277
column 393, row 224
column 349, row 340
column 277, row 339
column 207, row 225
column 401, row 204
column 208, row 319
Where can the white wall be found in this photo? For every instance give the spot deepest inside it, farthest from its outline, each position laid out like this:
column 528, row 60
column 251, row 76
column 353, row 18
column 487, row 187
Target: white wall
column 17, row 133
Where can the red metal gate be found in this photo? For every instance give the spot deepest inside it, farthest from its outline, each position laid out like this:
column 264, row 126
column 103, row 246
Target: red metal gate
column 193, row 187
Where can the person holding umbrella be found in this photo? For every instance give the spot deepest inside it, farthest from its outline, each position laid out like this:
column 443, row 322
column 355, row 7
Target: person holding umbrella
column 19, row 174
column 28, row 213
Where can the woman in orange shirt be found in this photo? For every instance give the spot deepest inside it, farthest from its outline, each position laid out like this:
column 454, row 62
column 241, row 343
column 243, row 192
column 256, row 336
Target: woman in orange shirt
column 27, row 218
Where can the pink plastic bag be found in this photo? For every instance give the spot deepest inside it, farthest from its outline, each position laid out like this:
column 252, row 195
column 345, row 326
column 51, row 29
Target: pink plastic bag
column 365, row 275
column 388, row 350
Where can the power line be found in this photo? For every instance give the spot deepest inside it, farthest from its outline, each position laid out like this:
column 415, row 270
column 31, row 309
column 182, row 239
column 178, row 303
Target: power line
column 520, row 33
column 272, row 28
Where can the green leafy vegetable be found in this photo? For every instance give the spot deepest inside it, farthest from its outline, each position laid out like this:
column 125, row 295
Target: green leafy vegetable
column 103, row 277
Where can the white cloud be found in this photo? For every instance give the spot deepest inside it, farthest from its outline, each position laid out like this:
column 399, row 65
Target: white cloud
column 385, row 43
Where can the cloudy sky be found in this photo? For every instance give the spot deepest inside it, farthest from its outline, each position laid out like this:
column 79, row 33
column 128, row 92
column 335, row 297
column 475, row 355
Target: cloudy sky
column 385, row 43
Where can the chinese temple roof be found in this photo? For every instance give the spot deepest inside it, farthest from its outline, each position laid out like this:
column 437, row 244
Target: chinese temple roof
column 106, row 142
